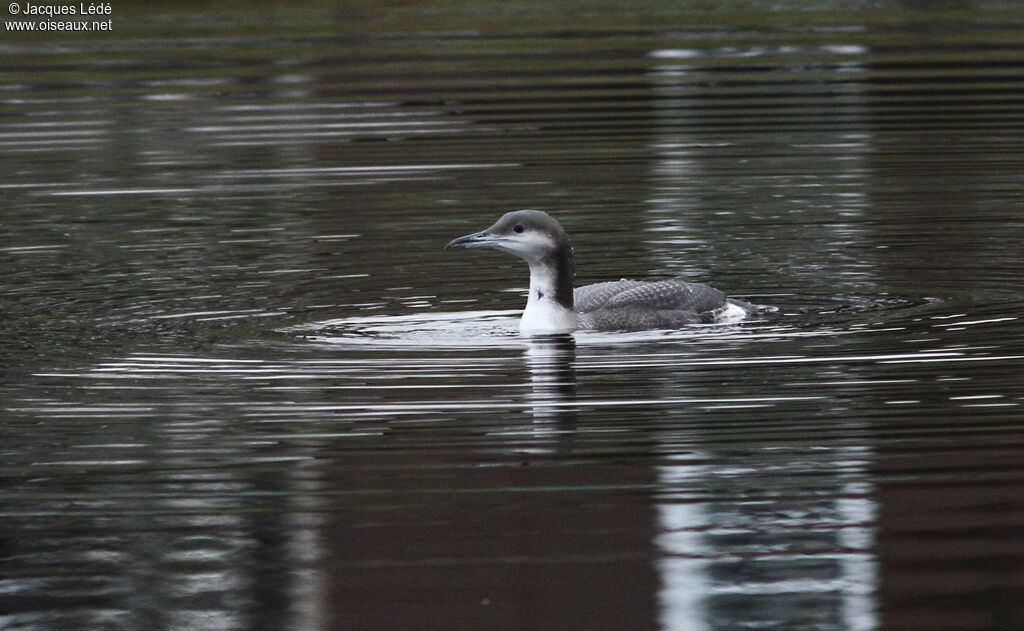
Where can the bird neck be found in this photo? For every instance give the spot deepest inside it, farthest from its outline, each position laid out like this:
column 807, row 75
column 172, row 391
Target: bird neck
column 551, row 279
column 549, row 309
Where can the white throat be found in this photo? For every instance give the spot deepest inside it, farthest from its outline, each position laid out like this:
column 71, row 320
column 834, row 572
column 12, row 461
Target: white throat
column 543, row 315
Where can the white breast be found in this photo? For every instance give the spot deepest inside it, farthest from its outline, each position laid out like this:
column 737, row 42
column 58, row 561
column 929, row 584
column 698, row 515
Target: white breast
column 547, row 317
column 543, row 315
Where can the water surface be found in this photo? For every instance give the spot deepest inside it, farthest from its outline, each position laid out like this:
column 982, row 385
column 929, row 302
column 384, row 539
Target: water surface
column 243, row 387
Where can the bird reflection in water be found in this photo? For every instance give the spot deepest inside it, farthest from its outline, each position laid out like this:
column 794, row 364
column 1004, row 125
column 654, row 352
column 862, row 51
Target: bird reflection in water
column 551, row 360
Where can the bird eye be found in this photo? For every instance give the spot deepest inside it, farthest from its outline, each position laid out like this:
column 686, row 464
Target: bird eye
column 518, row 227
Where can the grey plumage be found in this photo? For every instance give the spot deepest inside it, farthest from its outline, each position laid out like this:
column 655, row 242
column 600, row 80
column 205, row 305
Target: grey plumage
column 633, row 304
column 664, row 294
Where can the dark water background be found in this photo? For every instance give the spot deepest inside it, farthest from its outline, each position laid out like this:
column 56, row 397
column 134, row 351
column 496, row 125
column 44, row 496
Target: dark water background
column 241, row 387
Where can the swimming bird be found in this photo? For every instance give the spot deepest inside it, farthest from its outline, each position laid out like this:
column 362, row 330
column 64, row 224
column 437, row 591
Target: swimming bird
column 554, row 306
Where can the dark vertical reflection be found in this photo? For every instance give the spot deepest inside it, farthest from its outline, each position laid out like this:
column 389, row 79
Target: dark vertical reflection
column 274, row 567
column 951, row 556
column 526, row 537
column 160, row 551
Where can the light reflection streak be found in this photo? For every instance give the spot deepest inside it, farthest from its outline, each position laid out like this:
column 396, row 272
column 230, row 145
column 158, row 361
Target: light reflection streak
column 720, row 559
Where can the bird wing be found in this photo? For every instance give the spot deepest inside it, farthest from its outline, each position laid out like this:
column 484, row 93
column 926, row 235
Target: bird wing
column 596, row 296
column 633, row 319
column 665, row 295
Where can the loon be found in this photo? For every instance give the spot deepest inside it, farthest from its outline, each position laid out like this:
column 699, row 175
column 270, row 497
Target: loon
column 554, row 307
